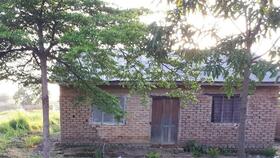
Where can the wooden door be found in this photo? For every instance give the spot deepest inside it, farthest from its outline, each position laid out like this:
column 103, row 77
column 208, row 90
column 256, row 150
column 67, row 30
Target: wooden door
column 164, row 125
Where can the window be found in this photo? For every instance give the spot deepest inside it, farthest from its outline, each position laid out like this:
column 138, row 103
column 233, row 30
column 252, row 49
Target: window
column 225, row 110
column 100, row 117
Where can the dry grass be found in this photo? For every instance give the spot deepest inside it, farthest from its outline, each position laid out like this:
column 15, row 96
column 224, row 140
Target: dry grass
column 21, row 130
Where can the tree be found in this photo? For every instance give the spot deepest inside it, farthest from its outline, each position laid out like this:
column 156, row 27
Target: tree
column 232, row 57
column 261, row 18
column 36, row 35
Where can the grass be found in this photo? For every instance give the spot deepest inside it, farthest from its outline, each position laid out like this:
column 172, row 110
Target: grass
column 153, row 155
column 21, row 128
column 32, row 141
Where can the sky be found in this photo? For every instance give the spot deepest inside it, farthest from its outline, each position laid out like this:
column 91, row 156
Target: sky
column 225, row 27
column 159, row 7
column 9, row 88
column 155, row 5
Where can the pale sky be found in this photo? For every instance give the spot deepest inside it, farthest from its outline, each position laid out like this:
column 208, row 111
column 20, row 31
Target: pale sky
column 155, row 5
column 224, row 27
column 9, row 88
column 159, row 7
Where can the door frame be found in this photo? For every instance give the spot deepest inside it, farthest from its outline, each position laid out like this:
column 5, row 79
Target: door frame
column 178, row 118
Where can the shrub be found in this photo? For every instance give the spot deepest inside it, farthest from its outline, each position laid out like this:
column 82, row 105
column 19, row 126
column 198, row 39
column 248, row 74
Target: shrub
column 213, row 152
column 269, row 152
column 35, row 127
column 189, row 145
column 23, row 124
column 98, row 154
column 19, row 123
column 196, row 153
column 54, row 124
column 227, row 151
column 196, row 149
column 54, row 127
column 13, row 124
column 153, row 155
column 4, row 128
column 32, row 141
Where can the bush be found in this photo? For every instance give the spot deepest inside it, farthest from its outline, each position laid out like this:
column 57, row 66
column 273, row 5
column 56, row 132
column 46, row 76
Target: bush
column 213, row 152
column 189, row 145
column 23, row 124
column 196, row 153
column 36, row 127
column 19, row 123
column 98, row 154
column 196, row 149
column 32, row 141
column 227, row 151
column 269, row 152
column 153, row 155
column 4, row 128
column 54, row 126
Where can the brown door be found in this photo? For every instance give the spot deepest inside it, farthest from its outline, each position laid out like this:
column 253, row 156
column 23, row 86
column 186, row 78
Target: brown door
column 165, row 114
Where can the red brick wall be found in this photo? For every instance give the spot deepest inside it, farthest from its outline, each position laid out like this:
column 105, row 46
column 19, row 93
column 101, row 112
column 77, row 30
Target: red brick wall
column 277, row 135
column 195, row 121
column 76, row 126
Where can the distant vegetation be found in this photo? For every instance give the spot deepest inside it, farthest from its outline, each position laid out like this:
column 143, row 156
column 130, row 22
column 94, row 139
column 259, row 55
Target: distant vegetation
column 7, row 103
column 27, row 98
column 23, row 129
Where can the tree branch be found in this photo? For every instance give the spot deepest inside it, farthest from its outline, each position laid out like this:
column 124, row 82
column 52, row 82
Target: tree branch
column 52, row 41
column 26, row 63
column 253, row 32
column 36, row 60
column 272, row 46
column 70, row 69
column 5, row 52
column 53, row 30
column 40, row 34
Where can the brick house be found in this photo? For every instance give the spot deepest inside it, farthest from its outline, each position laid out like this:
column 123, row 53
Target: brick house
column 212, row 121
column 277, row 134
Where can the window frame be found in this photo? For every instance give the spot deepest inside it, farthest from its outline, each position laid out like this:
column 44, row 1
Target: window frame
column 233, row 119
column 114, row 122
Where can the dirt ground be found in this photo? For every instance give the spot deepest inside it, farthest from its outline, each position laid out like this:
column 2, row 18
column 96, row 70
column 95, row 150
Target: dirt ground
column 130, row 151
column 111, row 151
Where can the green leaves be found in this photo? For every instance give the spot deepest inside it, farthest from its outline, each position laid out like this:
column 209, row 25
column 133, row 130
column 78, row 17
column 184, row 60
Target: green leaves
column 187, row 6
column 229, row 8
column 16, row 37
column 94, row 96
column 261, row 68
column 81, row 39
column 231, row 84
column 273, row 18
column 88, row 43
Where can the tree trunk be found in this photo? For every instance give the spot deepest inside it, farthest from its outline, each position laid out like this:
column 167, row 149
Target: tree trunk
column 243, row 111
column 45, row 106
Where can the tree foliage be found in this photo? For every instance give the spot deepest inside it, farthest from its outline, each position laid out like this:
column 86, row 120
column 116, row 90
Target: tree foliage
column 27, row 95
column 229, row 56
column 42, row 38
column 73, row 32
column 232, row 58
